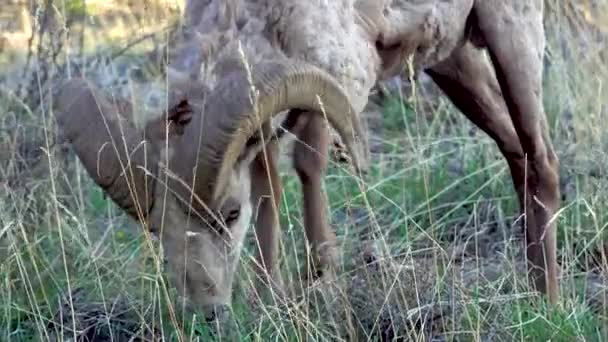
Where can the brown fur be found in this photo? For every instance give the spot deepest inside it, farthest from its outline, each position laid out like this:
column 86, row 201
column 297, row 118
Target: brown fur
column 502, row 97
column 445, row 38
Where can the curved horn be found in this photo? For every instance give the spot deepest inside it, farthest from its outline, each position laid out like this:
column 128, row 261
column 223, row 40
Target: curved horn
column 110, row 148
column 279, row 86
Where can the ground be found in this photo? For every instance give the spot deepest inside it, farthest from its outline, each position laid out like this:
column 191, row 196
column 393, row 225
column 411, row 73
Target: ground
column 430, row 241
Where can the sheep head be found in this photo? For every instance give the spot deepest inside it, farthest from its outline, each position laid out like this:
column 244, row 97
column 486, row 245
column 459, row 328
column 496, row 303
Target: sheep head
column 189, row 170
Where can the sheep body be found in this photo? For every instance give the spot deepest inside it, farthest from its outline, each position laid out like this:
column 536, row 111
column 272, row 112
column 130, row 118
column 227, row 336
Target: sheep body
column 360, row 42
column 324, row 34
column 271, row 29
column 441, row 28
column 301, row 30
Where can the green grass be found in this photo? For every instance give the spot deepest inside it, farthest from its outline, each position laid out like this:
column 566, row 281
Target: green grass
column 520, row 320
column 439, row 183
column 529, row 323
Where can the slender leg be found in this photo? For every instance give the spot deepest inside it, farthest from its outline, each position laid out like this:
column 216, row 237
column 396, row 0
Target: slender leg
column 468, row 81
column 310, row 163
column 516, row 49
column 266, row 197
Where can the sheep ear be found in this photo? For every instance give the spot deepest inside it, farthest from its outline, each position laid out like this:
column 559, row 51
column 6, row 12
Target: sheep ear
column 172, row 123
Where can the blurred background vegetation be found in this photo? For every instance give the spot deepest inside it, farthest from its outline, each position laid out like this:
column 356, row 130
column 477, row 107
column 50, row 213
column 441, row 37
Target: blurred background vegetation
column 438, row 211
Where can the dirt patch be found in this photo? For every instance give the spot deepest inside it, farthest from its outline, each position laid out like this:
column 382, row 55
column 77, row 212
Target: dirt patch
column 88, row 321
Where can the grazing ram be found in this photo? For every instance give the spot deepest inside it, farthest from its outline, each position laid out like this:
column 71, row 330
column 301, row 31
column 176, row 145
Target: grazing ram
column 363, row 41
column 355, row 43
column 193, row 175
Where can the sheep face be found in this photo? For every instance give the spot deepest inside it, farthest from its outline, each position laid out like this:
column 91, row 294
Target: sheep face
column 202, row 249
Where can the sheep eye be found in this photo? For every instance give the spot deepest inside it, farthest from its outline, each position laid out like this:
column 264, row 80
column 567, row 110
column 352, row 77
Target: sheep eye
column 232, row 216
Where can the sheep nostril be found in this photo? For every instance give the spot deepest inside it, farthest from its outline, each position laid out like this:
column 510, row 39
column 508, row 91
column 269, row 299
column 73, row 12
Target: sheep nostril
column 217, row 313
column 210, row 316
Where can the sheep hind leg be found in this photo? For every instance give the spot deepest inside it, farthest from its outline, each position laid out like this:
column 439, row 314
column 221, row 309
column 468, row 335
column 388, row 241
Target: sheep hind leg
column 310, row 162
column 266, row 197
column 467, row 80
column 516, row 49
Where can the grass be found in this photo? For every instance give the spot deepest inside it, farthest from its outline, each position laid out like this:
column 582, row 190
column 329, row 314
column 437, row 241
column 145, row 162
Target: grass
column 438, row 204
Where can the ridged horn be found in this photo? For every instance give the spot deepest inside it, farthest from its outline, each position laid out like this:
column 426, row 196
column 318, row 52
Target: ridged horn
column 110, row 148
column 234, row 115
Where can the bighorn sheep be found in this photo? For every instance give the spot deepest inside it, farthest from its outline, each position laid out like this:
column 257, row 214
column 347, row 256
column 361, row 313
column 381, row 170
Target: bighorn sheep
column 355, row 42
column 447, row 39
column 196, row 188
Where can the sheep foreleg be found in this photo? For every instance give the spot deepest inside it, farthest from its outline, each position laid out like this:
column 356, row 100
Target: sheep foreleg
column 310, row 162
column 266, row 197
